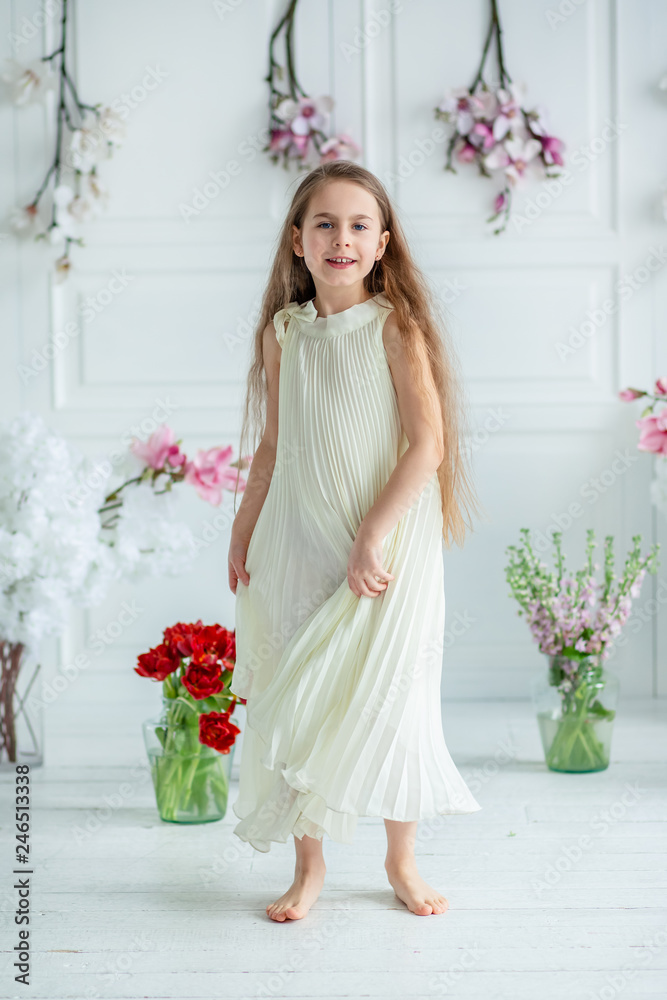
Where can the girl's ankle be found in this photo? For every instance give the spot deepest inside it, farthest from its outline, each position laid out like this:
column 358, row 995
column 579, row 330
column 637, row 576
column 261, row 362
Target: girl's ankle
column 402, row 861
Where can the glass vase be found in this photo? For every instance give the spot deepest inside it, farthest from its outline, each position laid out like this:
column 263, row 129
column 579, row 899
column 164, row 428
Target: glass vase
column 21, row 708
column 191, row 780
column 575, row 705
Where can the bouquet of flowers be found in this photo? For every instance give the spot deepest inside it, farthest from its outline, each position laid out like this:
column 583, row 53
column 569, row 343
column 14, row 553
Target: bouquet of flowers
column 575, row 626
column 195, row 663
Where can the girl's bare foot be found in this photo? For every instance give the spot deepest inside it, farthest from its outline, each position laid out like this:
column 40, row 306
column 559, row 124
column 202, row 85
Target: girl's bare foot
column 410, row 887
column 301, row 895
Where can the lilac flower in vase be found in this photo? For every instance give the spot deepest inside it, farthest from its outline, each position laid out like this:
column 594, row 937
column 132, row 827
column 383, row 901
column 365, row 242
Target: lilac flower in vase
column 574, row 620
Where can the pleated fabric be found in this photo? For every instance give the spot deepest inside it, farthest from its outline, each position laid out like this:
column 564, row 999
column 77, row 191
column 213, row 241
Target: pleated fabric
column 343, row 714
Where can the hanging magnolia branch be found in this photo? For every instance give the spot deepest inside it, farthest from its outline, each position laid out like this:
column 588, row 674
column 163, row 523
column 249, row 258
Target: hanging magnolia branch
column 85, row 134
column 298, row 123
column 493, row 130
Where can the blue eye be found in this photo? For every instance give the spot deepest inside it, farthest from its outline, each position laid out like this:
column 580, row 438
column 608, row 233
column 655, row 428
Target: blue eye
column 356, row 224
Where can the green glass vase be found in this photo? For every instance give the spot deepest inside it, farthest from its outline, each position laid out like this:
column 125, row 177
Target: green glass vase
column 191, row 780
column 575, row 705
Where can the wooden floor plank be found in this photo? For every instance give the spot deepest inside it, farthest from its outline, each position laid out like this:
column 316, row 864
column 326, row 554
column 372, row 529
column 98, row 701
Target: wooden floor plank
column 558, row 886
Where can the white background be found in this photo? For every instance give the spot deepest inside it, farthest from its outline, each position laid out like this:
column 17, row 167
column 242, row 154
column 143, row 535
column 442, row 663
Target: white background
column 181, row 330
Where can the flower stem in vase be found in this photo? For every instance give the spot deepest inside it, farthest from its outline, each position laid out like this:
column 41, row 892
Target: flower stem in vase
column 575, row 746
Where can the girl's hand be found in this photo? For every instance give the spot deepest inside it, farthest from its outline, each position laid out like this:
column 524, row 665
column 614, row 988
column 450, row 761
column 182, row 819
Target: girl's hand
column 364, row 565
column 238, row 549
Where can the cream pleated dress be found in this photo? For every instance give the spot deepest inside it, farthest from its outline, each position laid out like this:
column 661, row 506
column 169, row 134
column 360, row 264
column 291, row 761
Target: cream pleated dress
column 343, row 714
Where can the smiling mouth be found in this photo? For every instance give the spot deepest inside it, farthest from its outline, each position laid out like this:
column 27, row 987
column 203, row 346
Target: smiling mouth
column 341, row 260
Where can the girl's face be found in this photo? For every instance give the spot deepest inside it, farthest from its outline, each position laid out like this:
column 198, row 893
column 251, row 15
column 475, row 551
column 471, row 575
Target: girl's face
column 342, row 221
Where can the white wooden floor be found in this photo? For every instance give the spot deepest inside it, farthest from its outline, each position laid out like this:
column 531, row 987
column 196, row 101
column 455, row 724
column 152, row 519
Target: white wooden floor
column 126, row 906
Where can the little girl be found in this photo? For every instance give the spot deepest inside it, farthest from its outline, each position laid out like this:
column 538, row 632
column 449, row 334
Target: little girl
column 336, row 554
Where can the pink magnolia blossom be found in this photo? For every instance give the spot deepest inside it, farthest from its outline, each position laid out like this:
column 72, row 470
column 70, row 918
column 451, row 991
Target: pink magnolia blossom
column 211, row 472
column 340, row 147
column 460, row 107
column 653, row 436
column 466, row 153
column 509, row 111
column 514, row 155
column 305, row 115
column 481, row 135
column 499, row 203
column 552, row 149
column 280, row 139
column 159, row 449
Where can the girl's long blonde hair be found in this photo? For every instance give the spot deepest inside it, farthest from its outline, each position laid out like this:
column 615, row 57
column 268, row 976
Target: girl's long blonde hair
column 418, row 315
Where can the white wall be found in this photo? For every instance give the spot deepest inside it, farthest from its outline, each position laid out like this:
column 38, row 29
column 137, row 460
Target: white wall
column 194, row 288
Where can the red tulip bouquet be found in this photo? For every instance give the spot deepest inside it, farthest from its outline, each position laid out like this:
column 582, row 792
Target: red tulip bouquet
column 195, row 663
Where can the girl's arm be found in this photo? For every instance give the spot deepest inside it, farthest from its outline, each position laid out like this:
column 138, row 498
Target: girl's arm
column 261, row 467
column 421, row 420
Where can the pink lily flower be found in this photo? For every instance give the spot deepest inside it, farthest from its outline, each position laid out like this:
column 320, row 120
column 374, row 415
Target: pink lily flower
column 211, row 472
column 661, row 386
column 653, row 436
column 159, row 449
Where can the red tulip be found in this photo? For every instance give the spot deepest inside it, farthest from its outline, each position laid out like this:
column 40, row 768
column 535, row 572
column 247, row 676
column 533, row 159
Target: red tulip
column 202, row 680
column 158, row 662
column 217, row 731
